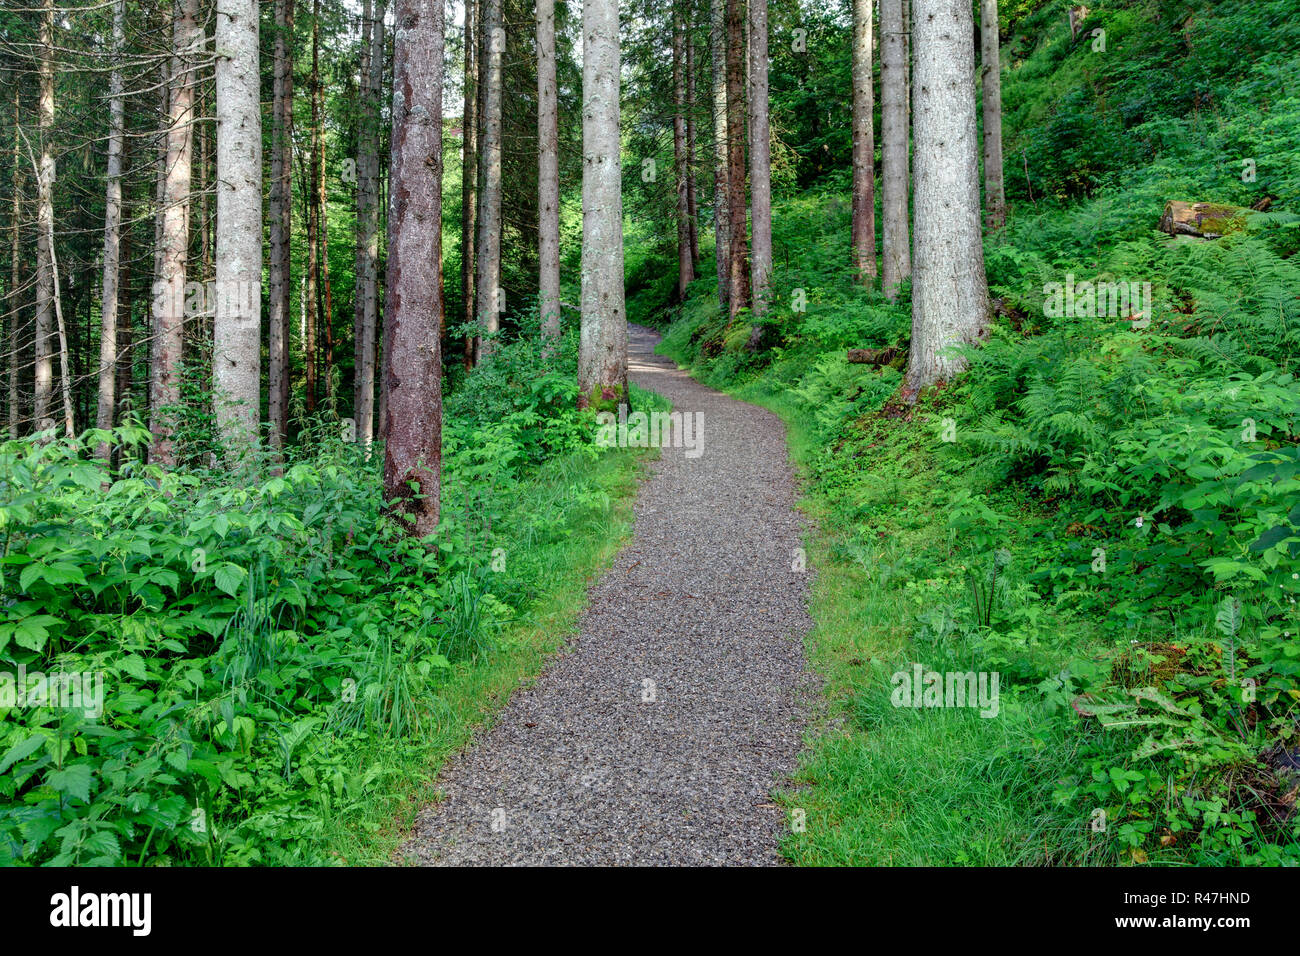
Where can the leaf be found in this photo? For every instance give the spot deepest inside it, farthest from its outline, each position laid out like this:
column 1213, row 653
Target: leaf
column 73, row 780
column 133, row 664
column 1228, row 618
column 229, row 577
column 1271, row 537
column 21, row 751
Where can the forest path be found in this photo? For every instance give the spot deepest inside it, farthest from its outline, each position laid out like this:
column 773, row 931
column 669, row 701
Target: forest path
column 578, row 768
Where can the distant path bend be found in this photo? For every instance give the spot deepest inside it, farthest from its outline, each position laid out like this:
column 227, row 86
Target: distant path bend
column 579, row 768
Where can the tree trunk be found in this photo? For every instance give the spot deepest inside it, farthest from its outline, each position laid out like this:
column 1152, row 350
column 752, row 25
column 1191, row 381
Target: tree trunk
column 738, row 281
column 169, row 285
column 864, row 147
column 43, row 375
column 311, row 340
column 692, row 204
column 760, row 164
column 721, row 186
column 281, row 203
column 13, row 301
column 896, row 252
column 489, row 291
column 469, row 175
column 112, row 233
column 950, row 303
column 685, row 261
column 366, row 304
column 236, row 323
column 995, row 199
column 413, row 452
column 325, row 290
column 548, row 177
column 602, row 356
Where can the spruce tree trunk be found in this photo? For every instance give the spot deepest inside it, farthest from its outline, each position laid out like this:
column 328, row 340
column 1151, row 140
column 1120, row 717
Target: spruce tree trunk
column 237, row 318
column 760, row 165
column 311, row 338
column 896, row 252
column 43, row 373
column 721, row 186
column 995, row 199
column 602, row 355
column 692, row 204
column 112, row 234
column 169, row 285
column 548, row 177
column 281, row 205
column 13, row 301
column 367, row 295
column 737, row 250
column 685, row 261
column 864, row 147
column 949, row 295
column 412, row 313
column 469, row 174
column 489, row 293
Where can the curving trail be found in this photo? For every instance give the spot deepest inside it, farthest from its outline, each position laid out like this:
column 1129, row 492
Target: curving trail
column 578, row 768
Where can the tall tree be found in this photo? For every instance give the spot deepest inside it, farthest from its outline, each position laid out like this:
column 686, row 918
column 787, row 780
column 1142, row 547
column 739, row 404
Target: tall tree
column 281, row 211
column 864, row 146
column 169, row 286
column 949, row 295
column 895, row 236
column 602, row 355
column 721, row 186
column 312, row 197
column 692, row 205
column 112, row 231
column 469, row 174
column 237, row 317
column 760, row 164
column 548, row 175
column 685, row 260
column 413, row 452
column 367, row 284
column 736, row 238
column 13, row 300
column 489, row 292
column 995, row 199
column 43, row 375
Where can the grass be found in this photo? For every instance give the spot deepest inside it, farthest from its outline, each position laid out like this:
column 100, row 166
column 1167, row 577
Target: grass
column 472, row 698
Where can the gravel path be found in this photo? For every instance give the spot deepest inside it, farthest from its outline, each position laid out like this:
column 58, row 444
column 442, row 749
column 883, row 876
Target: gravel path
column 580, row 768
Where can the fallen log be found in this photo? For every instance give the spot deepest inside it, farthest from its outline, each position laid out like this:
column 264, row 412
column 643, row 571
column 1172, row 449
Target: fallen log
column 1204, row 220
column 885, row 356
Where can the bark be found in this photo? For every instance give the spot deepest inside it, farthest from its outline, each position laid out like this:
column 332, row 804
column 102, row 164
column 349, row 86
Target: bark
column 13, row 301
column 413, row 452
column 311, row 338
column 548, row 177
column 169, row 284
column 950, row 304
column 43, row 374
column 721, row 186
column 602, row 354
column 864, row 146
column 896, row 252
column 489, row 293
column 692, row 203
column 737, row 252
column 236, row 325
column 366, row 305
column 112, row 234
column 281, row 206
column 760, row 164
column 685, row 261
column 995, row 199
column 469, row 175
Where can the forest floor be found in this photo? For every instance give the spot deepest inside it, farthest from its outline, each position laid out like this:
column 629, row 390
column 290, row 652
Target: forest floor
column 658, row 737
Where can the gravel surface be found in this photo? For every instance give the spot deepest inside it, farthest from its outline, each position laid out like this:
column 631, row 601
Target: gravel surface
column 580, row 768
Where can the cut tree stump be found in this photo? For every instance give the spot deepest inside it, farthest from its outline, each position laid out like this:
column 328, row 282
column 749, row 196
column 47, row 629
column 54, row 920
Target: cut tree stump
column 1204, row 220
